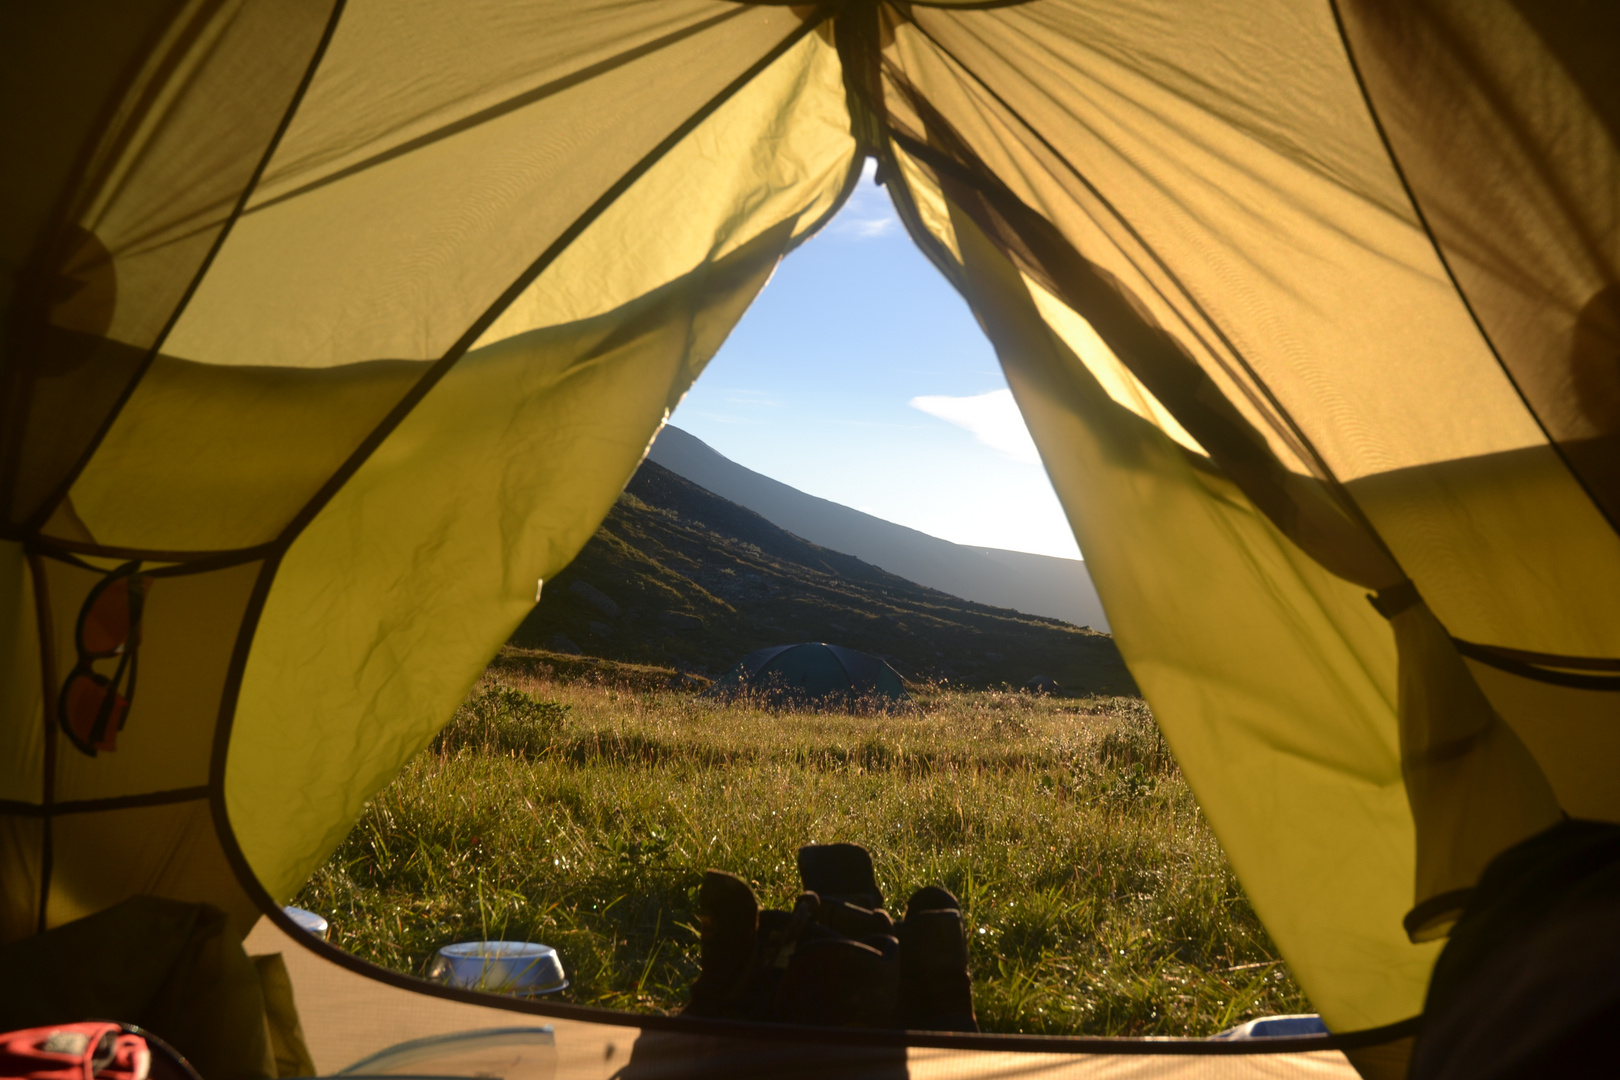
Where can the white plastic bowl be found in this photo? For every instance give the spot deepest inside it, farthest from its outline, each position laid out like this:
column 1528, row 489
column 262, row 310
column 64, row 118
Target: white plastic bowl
column 500, row 967
column 308, row 921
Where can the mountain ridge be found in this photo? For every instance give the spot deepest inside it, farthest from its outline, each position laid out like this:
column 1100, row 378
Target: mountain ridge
column 1035, row 584
column 680, row 577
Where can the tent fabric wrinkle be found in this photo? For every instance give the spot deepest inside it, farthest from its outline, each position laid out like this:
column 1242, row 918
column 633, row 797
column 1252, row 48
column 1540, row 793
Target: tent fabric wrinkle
column 1266, row 481
column 109, row 275
column 332, row 328
column 1530, row 229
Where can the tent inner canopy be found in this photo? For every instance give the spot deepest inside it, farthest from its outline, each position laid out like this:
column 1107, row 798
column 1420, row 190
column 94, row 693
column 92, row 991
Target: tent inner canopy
column 333, row 330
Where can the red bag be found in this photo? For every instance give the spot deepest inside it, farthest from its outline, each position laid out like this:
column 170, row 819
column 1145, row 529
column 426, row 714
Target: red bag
column 89, row 1051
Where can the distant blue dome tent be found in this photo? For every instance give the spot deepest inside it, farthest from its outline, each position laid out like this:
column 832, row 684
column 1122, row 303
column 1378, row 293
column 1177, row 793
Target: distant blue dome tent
column 813, row 673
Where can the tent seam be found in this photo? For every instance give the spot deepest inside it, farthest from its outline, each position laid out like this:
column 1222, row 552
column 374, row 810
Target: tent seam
column 34, row 524
column 112, row 802
column 553, row 251
column 47, row 663
column 187, row 562
column 11, row 448
column 1293, row 427
column 231, row 691
column 502, row 108
column 1445, row 263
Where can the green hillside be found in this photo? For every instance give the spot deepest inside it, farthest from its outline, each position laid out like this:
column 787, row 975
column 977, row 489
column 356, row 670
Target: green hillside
column 679, row 577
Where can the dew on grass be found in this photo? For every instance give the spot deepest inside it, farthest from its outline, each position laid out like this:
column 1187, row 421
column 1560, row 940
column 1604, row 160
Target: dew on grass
column 637, row 795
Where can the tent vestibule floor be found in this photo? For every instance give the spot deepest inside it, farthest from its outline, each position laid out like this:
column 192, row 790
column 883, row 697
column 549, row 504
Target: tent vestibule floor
column 348, row 1016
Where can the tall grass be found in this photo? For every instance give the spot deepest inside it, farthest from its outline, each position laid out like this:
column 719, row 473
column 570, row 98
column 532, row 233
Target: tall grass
column 1097, row 899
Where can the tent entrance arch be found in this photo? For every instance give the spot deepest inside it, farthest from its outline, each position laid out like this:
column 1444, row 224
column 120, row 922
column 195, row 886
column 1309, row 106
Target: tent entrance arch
column 306, row 294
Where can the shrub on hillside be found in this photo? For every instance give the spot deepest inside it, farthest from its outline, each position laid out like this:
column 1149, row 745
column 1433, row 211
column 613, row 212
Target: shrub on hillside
column 501, row 720
column 1135, row 743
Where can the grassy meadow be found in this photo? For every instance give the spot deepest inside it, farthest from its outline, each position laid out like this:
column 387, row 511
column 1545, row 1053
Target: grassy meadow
column 582, row 814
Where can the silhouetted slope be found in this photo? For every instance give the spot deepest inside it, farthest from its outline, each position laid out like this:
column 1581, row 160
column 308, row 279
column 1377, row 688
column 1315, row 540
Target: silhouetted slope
column 698, row 581
column 1039, row 584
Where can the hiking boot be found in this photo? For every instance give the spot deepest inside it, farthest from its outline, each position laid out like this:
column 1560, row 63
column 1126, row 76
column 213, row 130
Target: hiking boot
column 936, row 991
column 801, row 920
column 852, row 921
column 728, row 916
column 932, row 898
column 836, row 982
column 840, row 872
column 887, row 944
column 778, row 936
column 773, row 925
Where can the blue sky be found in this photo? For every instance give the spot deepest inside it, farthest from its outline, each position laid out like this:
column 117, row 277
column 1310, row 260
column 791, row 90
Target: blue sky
column 860, row 376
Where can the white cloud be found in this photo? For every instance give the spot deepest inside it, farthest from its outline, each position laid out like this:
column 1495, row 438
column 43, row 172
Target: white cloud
column 868, row 213
column 759, row 399
column 993, row 418
column 867, row 227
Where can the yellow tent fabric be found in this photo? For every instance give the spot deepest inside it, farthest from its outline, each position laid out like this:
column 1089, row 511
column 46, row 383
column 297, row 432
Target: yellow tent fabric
column 333, row 330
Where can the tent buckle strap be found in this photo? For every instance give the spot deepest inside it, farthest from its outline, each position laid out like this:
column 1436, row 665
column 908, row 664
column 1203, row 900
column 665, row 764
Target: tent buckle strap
column 1394, row 599
column 1434, row 917
column 1450, row 750
column 1575, row 672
